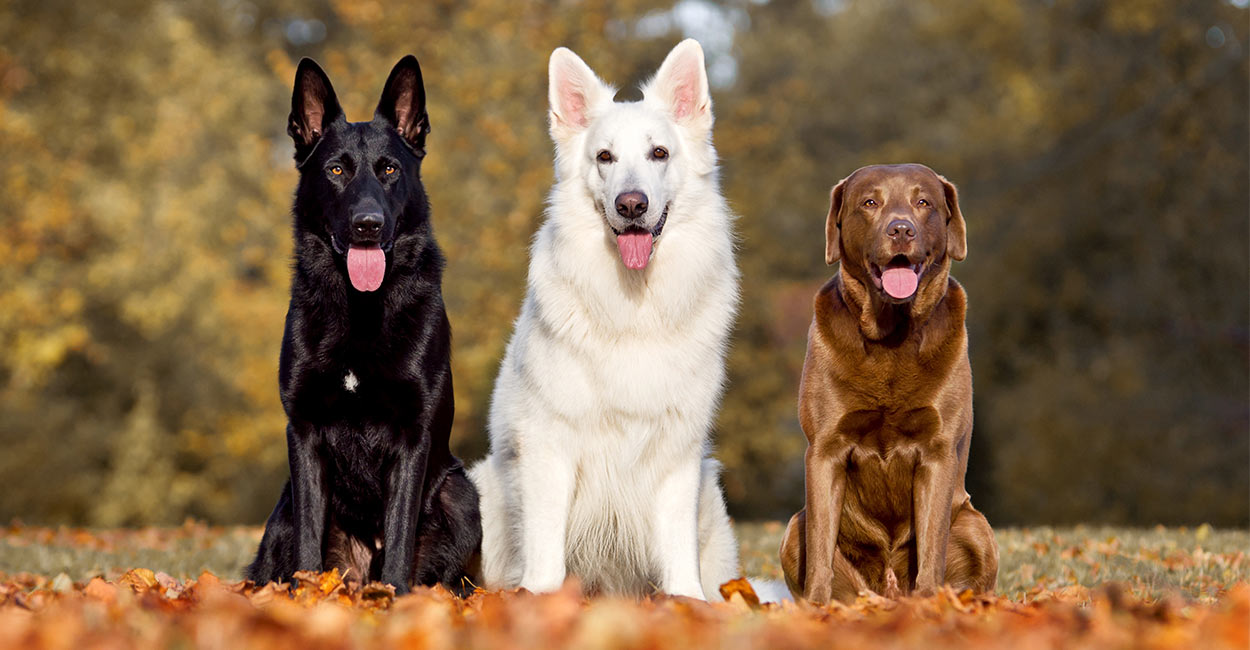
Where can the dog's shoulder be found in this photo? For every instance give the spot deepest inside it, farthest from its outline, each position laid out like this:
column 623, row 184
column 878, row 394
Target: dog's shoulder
column 833, row 324
column 944, row 335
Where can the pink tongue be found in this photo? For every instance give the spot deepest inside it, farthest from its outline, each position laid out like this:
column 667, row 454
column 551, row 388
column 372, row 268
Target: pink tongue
column 899, row 283
column 366, row 266
column 635, row 249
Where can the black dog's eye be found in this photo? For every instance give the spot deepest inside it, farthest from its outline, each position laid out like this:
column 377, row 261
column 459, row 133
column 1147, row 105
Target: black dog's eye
column 337, row 170
column 925, row 203
column 660, row 153
column 870, row 203
column 604, row 156
column 389, row 169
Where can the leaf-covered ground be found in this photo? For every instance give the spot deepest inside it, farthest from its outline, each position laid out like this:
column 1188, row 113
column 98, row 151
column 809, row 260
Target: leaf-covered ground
column 1071, row 587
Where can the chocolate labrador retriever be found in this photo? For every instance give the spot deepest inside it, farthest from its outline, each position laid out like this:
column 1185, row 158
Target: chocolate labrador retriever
column 886, row 401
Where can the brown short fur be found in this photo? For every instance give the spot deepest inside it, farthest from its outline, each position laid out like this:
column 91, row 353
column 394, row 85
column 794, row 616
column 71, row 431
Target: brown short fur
column 886, row 404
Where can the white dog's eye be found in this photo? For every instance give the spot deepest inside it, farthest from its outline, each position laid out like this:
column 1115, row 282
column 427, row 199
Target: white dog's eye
column 660, row 153
column 604, row 156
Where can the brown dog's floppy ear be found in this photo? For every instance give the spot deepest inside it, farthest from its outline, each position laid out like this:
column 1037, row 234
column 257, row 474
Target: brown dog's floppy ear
column 833, row 224
column 956, row 230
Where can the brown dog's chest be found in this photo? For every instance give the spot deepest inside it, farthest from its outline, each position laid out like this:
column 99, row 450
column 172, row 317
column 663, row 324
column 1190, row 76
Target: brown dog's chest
column 885, row 446
column 893, row 411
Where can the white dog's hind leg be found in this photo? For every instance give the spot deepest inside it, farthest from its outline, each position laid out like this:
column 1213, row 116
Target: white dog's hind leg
column 677, row 531
column 718, row 546
column 501, row 569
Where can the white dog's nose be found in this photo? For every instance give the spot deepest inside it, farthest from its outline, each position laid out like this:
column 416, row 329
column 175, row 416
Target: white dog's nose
column 631, row 205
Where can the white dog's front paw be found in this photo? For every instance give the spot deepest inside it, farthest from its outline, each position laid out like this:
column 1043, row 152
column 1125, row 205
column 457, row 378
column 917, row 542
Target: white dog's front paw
column 542, row 584
column 689, row 591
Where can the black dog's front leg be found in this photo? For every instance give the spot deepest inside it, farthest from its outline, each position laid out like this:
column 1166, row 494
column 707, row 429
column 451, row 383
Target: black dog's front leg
column 309, row 495
column 404, row 485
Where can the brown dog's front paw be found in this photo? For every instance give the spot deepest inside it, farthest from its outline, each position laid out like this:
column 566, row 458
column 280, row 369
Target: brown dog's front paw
column 925, row 588
column 820, row 594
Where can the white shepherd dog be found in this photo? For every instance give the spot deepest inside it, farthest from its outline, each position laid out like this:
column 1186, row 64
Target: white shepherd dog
column 599, row 463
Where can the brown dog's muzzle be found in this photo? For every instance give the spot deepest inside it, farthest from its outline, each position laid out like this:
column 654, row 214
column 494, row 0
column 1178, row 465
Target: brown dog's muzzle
column 898, row 276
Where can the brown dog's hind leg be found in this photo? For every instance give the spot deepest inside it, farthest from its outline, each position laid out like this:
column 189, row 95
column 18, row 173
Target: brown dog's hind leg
column 793, row 564
column 971, row 553
column 847, row 581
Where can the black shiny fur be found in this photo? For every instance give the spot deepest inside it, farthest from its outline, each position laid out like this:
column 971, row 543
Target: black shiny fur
column 372, row 477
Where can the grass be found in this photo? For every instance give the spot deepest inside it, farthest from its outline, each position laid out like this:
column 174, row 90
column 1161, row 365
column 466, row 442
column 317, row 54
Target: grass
column 1195, row 563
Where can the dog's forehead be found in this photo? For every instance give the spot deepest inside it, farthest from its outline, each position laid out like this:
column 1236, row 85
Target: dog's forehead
column 368, row 140
column 893, row 177
column 631, row 125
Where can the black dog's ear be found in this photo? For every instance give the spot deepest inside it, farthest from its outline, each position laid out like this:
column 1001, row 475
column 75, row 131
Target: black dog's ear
column 314, row 107
column 403, row 103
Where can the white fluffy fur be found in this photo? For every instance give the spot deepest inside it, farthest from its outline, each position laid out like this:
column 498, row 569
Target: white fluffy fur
column 599, row 424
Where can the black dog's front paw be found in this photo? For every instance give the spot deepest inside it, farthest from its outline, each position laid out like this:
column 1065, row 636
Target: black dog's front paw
column 401, row 585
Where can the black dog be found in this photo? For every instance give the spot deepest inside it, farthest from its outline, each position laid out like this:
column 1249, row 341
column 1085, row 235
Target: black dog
column 365, row 369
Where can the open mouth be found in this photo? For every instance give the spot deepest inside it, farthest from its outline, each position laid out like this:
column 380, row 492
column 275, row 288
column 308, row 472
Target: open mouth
column 636, row 244
column 366, row 264
column 899, row 279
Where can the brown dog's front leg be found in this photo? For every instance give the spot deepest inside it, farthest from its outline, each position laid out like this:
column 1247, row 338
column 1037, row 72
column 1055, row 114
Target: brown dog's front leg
column 825, row 486
column 933, row 489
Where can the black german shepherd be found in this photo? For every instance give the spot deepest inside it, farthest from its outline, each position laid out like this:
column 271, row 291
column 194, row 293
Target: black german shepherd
column 365, row 368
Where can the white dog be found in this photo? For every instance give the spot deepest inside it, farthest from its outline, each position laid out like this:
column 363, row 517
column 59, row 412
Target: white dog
column 599, row 423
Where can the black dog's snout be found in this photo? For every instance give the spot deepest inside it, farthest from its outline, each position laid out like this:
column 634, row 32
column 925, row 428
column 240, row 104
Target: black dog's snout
column 631, row 205
column 367, row 225
column 900, row 230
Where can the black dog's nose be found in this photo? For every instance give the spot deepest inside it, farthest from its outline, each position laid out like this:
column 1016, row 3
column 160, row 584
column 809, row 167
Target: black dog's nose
column 901, row 229
column 367, row 225
column 631, row 205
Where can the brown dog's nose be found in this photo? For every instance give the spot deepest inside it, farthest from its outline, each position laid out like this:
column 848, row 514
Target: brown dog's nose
column 900, row 230
column 631, row 205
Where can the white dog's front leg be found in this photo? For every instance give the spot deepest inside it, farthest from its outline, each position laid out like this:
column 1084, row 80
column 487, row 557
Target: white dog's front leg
column 545, row 482
column 677, row 531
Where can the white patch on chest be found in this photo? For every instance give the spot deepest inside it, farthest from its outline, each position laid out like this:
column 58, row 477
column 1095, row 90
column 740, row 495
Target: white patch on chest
column 350, row 382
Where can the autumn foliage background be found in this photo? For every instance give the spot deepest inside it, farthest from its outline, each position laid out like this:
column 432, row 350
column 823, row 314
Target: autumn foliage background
column 1101, row 150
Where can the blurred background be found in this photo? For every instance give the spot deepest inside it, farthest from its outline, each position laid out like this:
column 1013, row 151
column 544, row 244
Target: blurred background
column 1101, row 150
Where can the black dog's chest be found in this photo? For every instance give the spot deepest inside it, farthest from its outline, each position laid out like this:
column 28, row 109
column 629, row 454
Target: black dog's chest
column 358, row 390
column 357, row 458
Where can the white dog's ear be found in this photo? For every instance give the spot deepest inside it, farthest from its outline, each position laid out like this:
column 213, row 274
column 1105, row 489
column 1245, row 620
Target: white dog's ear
column 573, row 92
column 680, row 85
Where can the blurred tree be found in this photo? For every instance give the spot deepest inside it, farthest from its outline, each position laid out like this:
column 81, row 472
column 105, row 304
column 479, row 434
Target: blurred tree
column 1101, row 151
column 144, row 262
column 147, row 183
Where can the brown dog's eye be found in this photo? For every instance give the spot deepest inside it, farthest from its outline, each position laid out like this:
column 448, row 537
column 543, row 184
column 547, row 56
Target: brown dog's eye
column 660, row 153
column 604, row 156
column 870, row 203
column 925, row 203
column 336, row 170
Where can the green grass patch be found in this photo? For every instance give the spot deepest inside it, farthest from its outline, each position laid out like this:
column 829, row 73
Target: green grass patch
column 1196, row 563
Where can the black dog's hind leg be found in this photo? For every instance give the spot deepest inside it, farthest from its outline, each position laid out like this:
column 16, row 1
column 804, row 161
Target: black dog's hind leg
column 450, row 534
column 275, row 559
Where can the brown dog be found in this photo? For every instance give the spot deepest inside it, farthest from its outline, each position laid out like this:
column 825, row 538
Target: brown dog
column 886, row 401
